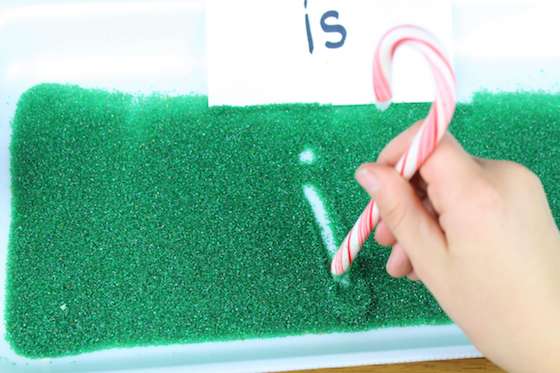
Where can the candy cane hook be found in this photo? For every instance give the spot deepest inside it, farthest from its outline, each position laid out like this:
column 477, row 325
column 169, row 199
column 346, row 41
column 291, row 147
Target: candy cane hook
column 425, row 140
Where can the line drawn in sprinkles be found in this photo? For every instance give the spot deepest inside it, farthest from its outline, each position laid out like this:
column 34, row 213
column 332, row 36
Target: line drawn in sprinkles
column 321, row 218
column 319, row 209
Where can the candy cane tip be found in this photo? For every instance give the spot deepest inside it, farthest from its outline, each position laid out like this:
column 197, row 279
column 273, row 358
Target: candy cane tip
column 335, row 274
column 383, row 105
column 334, row 270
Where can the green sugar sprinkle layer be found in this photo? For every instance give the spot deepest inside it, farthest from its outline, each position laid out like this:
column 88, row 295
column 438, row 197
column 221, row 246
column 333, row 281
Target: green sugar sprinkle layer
column 157, row 220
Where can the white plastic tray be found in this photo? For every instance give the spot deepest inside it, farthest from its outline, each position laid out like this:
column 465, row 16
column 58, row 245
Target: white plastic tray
column 145, row 46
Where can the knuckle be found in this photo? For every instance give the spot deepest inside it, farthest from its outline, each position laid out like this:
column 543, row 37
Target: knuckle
column 525, row 175
column 395, row 215
column 487, row 195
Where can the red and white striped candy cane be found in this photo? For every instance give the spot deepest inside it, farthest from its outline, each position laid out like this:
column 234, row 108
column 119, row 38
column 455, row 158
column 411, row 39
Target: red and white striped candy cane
column 428, row 135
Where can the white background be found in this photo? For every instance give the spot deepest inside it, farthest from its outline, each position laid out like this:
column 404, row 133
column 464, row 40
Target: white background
column 497, row 45
column 258, row 50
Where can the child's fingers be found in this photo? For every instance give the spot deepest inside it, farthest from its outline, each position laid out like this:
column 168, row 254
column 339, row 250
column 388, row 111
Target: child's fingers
column 398, row 264
column 429, row 207
column 394, row 150
column 383, row 235
column 404, row 215
column 449, row 173
column 419, row 186
column 412, row 276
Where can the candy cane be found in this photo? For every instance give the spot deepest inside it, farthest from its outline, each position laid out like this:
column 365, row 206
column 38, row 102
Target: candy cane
column 428, row 135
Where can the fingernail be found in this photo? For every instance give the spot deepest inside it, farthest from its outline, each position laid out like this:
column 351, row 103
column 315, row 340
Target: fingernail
column 367, row 179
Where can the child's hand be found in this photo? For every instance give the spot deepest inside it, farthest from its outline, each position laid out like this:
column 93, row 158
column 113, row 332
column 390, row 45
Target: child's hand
column 481, row 237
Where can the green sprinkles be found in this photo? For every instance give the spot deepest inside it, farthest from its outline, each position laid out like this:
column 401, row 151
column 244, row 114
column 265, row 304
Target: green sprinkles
column 157, row 220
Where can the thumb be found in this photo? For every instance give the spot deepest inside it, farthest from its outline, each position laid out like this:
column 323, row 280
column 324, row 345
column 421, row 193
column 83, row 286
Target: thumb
column 403, row 213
